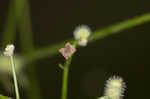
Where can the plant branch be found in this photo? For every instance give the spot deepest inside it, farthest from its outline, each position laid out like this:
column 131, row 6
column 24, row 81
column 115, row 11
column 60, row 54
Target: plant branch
column 96, row 35
column 15, row 78
column 65, row 78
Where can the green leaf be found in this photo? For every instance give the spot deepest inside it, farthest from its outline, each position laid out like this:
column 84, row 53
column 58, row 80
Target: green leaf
column 4, row 97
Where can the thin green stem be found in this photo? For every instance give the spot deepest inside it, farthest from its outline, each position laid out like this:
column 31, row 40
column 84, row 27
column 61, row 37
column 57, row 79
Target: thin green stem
column 65, row 78
column 120, row 26
column 15, row 78
column 96, row 35
column 65, row 83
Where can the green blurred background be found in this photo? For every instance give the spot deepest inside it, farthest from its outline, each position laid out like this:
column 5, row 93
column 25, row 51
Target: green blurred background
column 125, row 54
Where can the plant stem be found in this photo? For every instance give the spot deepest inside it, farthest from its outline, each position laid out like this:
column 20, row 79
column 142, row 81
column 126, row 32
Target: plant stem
column 96, row 35
column 65, row 78
column 15, row 78
column 65, row 83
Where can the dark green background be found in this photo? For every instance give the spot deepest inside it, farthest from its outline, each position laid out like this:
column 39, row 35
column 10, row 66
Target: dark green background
column 125, row 54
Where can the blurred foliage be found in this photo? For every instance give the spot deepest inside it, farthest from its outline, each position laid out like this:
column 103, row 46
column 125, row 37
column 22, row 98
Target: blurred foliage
column 5, row 65
column 4, row 97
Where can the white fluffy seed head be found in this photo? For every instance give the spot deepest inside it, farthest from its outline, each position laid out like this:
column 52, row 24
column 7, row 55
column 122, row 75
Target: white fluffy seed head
column 81, row 34
column 114, row 88
column 9, row 50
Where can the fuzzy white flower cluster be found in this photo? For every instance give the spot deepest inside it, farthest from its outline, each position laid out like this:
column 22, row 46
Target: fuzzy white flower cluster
column 81, row 34
column 9, row 50
column 114, row 87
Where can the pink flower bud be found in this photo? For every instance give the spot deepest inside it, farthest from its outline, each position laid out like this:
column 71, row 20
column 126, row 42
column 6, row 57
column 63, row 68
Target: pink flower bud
column 67, row 51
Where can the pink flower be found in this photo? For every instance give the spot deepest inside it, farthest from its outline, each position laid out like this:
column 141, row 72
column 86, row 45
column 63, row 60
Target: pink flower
column 67, row 51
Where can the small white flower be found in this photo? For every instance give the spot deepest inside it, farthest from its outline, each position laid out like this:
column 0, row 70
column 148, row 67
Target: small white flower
column 9, row 50
column 114, row 87
column 81, row 34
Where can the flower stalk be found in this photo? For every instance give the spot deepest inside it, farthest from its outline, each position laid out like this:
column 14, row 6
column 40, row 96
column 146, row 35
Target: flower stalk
column 67, row 51
column 9, row 51
column 65, row 78
column 15, row 78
